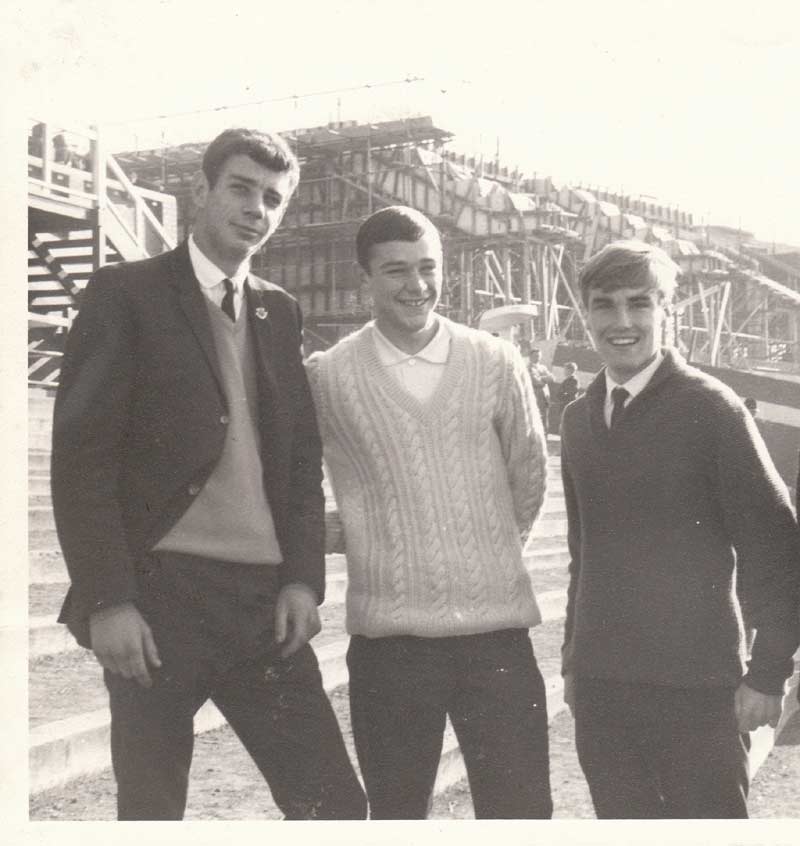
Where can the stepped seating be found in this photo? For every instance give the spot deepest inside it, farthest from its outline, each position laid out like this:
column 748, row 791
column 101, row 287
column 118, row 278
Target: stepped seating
column 68, row 704
column 68, row 715
column 59, row 266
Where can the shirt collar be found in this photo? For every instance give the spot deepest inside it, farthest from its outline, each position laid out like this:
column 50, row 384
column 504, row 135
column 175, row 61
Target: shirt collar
column 208, row 274
column 636, row 384
column 435, row 351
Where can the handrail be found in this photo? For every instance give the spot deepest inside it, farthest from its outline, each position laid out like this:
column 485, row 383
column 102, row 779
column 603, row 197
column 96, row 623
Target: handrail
column 99, row 198
column 140, row 205
column 121, row 222
column 63, row 189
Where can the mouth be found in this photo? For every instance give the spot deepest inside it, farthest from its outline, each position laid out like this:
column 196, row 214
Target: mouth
column 417, row 302
column 622, row 342
column 248, row 232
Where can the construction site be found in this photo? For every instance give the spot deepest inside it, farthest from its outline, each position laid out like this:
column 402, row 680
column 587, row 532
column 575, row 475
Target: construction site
column 510, row 239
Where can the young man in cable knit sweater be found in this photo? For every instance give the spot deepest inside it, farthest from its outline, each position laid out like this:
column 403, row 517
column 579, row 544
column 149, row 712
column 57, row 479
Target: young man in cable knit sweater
column 674, row 505
column 437, row 458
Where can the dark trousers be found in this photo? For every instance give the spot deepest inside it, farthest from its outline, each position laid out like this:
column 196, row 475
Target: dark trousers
column 402, row 689
column 213, row 626
column 653, row 752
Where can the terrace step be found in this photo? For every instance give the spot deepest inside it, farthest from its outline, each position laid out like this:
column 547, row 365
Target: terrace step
column 47, row 637
column 63, row 749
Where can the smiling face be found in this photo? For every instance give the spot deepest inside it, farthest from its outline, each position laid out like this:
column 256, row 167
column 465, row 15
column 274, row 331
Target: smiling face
column 627, row 325
column 405, row 280
column 242, row 209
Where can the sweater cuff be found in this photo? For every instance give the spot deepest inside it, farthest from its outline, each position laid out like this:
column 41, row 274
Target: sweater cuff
column 772, row 660
column 769, row 679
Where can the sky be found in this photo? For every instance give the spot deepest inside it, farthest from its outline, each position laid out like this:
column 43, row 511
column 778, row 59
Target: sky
column 694, row 103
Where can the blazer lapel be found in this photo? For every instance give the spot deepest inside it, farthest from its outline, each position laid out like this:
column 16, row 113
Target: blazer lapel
column 258, row 313
column 596, row 397
column 194, row 308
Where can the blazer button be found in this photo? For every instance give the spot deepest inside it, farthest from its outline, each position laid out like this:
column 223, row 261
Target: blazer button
column 224, row 419
column 194, row 489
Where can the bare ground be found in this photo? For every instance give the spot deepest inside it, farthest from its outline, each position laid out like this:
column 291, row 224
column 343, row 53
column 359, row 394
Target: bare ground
column 225, row 784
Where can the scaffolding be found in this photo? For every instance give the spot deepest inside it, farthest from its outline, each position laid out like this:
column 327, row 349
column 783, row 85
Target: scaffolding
column 508, row 239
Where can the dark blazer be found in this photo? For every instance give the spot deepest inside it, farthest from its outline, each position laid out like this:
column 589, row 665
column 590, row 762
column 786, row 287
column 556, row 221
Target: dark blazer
column 140, row 420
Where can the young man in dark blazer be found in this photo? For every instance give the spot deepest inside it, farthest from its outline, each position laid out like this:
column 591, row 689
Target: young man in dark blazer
column 188, row 501
column 674, row 506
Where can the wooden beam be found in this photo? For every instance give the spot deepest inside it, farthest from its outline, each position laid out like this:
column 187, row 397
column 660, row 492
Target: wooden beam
column 719, row 323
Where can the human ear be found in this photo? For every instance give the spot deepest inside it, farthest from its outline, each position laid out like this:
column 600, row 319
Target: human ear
column 200, row 189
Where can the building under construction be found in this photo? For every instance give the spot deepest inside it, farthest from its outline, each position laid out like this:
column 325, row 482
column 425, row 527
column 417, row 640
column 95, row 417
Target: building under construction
column 509, row 238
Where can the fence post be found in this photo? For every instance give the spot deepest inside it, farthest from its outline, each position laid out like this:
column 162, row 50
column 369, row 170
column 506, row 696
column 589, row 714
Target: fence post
column 99, row 179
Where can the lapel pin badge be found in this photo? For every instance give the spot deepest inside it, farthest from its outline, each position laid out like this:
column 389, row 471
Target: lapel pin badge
column 261, row 313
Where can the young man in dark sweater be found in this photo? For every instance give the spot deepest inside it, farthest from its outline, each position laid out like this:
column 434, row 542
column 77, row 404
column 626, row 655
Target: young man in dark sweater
column 672, row 500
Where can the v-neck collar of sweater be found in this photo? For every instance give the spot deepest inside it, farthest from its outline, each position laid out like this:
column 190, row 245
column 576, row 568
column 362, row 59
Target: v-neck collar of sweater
column 596, row 393
column 438, row 400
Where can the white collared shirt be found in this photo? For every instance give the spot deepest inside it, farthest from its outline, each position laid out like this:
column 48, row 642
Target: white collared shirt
column 210, row 277
column 420, row 373
column 634, row 386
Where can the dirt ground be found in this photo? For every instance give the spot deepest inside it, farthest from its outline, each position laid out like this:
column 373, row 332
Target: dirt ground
column 225, row 784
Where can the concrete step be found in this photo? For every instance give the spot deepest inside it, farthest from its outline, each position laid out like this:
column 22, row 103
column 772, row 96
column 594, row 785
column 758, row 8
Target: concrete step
column 549, row 526
column 46, row 566
column 554, row 445
column 65, row 749
column 39, row 440
column 42, row 535
column 40, row 518
column 39, row 461
column 39, row 484
column 40, row 421
column 40, row 510
column 43, row 540
column 47, row 637
column 75, row 745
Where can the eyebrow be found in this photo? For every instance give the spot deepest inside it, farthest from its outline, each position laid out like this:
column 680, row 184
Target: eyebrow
column 388, row 265
column 248, row 180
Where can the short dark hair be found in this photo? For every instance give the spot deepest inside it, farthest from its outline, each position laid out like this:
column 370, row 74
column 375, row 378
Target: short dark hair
column 264, row 148
column 394, row 223
column 629, row 264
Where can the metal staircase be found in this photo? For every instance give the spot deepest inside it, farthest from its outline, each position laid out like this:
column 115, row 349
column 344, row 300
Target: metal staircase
column 83, row 212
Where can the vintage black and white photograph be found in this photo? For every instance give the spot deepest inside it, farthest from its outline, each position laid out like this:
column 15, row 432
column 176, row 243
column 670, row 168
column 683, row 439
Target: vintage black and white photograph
column 413, row 417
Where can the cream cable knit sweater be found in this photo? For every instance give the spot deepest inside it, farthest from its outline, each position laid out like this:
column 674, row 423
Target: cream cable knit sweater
column 437, row 498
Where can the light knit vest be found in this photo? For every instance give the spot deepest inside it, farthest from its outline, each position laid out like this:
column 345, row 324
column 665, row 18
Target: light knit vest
column 230, row 519
column 435, row 498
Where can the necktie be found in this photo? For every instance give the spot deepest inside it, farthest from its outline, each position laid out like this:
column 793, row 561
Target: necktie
column 618, row 397
column 227, row 300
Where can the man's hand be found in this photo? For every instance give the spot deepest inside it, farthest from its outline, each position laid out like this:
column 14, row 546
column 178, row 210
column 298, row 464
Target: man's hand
column 296, row 617
column 754, row 709
column 569, row 692
column 123, row 643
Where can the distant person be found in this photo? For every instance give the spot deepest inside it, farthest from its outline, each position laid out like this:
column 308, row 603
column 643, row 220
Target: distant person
column 36, row 140
column 188, row 500
column 541, row 378
column 751, row 405
column 672, row 500
column 62, row 152
column 568, row 389
column 438, row 462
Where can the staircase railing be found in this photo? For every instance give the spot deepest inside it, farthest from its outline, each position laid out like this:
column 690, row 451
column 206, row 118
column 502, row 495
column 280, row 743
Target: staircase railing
column 90, row 186
column 48, row 177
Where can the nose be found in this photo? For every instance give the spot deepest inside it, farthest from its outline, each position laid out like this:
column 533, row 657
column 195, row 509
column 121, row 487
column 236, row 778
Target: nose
column 623, row 316
column 255, row 208
column 415, row 283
